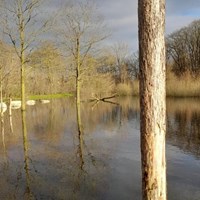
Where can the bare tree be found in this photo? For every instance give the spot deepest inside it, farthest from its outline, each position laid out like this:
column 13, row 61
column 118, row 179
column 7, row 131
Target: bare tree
column 82, row 29
column 132, row 63
column 21, row 25
column 120, row 51
column 183, row 47
column 151, row 15
column 176, row 50
column 48, row 63
column 6, row 66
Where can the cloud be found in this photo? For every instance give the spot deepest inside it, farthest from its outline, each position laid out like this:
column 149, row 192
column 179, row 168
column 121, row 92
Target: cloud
column 175, row 22
column 181, row 7
column 121, row 17
column 180, row 13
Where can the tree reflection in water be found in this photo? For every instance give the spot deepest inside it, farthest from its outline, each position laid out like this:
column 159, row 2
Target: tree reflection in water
column 56, row 159
column 80, row 159
column 28, row 194
column 3, row 140
column 184, row 126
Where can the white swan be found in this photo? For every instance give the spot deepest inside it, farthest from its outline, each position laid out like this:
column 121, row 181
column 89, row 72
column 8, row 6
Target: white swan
column 15, row 104
column 45, row 101
column 30, row 102
column 3, row 107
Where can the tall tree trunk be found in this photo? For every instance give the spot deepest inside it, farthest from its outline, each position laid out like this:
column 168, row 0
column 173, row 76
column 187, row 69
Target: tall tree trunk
column 151, row 14
column 78, row 84
column 78, row 104
column 23, row 84
column 22, row 54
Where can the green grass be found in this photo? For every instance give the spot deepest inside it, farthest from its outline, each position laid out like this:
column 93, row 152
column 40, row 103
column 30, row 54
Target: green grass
column 49, row 96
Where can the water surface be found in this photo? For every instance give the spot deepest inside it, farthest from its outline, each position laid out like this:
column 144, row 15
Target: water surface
column 51, row 161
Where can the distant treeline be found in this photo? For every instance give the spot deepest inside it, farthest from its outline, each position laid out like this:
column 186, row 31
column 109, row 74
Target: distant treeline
column 183, row 50
column 50, row 68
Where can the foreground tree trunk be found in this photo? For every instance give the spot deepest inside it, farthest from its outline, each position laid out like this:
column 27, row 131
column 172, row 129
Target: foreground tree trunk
column 151, row 15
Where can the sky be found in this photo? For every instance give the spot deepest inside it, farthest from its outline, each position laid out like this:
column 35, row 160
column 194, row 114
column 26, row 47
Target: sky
column 121, row 17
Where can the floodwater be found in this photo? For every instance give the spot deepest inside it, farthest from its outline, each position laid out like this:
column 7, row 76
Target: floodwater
column 45, row 158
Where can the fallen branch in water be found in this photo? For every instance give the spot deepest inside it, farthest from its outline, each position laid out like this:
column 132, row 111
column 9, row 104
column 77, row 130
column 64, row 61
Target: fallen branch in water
column 95, row 98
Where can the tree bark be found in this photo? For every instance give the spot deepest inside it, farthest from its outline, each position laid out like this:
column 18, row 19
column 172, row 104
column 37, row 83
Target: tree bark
column 151, row 15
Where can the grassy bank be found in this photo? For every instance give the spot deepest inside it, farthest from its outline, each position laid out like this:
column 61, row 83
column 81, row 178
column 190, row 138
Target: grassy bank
column 183, row 87
column 175, row 87
column 49, row 96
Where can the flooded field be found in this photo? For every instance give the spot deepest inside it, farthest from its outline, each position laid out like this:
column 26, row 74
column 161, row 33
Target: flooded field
column 45, row 158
